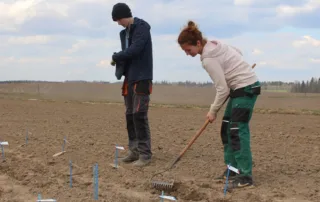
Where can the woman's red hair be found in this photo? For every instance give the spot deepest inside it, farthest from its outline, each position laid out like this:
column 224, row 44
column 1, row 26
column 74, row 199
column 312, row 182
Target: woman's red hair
column 190, row 35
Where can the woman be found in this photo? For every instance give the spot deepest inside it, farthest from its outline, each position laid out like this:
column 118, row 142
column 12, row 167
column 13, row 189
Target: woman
column 233, row 77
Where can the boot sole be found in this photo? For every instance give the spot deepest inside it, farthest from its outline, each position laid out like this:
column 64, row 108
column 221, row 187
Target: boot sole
column 141, row 165
column 224, row 179
column 128, row 161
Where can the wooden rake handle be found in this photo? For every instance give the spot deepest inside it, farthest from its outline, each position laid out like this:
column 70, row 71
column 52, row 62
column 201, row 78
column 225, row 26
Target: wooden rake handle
column 254, row 65
column 190, row 143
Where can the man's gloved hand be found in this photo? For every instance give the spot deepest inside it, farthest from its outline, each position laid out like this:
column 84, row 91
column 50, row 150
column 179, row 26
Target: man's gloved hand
column 113, row 63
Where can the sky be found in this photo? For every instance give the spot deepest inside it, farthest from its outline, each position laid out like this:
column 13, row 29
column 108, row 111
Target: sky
column 58, row 40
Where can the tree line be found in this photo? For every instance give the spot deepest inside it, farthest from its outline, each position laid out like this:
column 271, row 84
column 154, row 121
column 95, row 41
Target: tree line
column 40, row 81
column 311, row 86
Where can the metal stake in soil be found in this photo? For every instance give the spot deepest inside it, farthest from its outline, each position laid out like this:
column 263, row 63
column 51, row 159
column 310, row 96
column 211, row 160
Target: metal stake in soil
column 96, row 182
column 226, row 186
column 116, row 157
column 63, row 148
column 70, row 164
column 27, row 137
column 115, row 164
column 2, row 150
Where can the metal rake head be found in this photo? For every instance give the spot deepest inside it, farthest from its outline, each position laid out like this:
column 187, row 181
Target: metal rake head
column 162, row 186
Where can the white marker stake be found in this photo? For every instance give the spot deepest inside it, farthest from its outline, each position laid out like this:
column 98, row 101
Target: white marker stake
column 2, row 150
column 119, row 147
column 63, row 150
column 58, row 154
column 47, row 200
column 233, row 169
column 115, row 165
column 169, row 198
column 4, row 143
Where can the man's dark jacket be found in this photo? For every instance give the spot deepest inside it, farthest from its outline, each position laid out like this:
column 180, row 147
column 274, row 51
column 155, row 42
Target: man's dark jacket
column 137, row 60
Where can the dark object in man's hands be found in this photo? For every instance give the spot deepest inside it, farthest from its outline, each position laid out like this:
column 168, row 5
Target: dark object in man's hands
column 113, row 63
column 120, row 69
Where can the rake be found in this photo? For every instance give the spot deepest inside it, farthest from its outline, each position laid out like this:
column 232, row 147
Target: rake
column 168, row 186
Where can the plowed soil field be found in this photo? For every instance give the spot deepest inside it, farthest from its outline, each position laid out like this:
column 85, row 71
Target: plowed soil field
column 286, row 152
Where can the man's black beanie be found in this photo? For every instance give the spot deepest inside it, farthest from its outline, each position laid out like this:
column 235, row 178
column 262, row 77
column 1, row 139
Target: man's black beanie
column 121, row 10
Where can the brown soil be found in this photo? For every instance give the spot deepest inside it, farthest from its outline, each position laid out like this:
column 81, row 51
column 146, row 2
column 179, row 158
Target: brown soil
column 285, row 151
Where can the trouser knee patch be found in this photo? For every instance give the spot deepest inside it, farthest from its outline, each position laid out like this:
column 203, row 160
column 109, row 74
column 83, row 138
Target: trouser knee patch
column 141, row 125
column 140, row 116
column 224, row 130
column 235, row 139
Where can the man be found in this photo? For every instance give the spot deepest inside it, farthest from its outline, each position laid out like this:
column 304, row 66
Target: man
column 135, row 62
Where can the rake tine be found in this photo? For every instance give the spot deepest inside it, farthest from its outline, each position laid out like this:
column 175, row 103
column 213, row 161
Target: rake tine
column 162, row 185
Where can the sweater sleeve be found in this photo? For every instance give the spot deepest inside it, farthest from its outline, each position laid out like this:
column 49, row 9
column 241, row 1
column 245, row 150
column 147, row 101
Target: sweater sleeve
column 216, row 73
